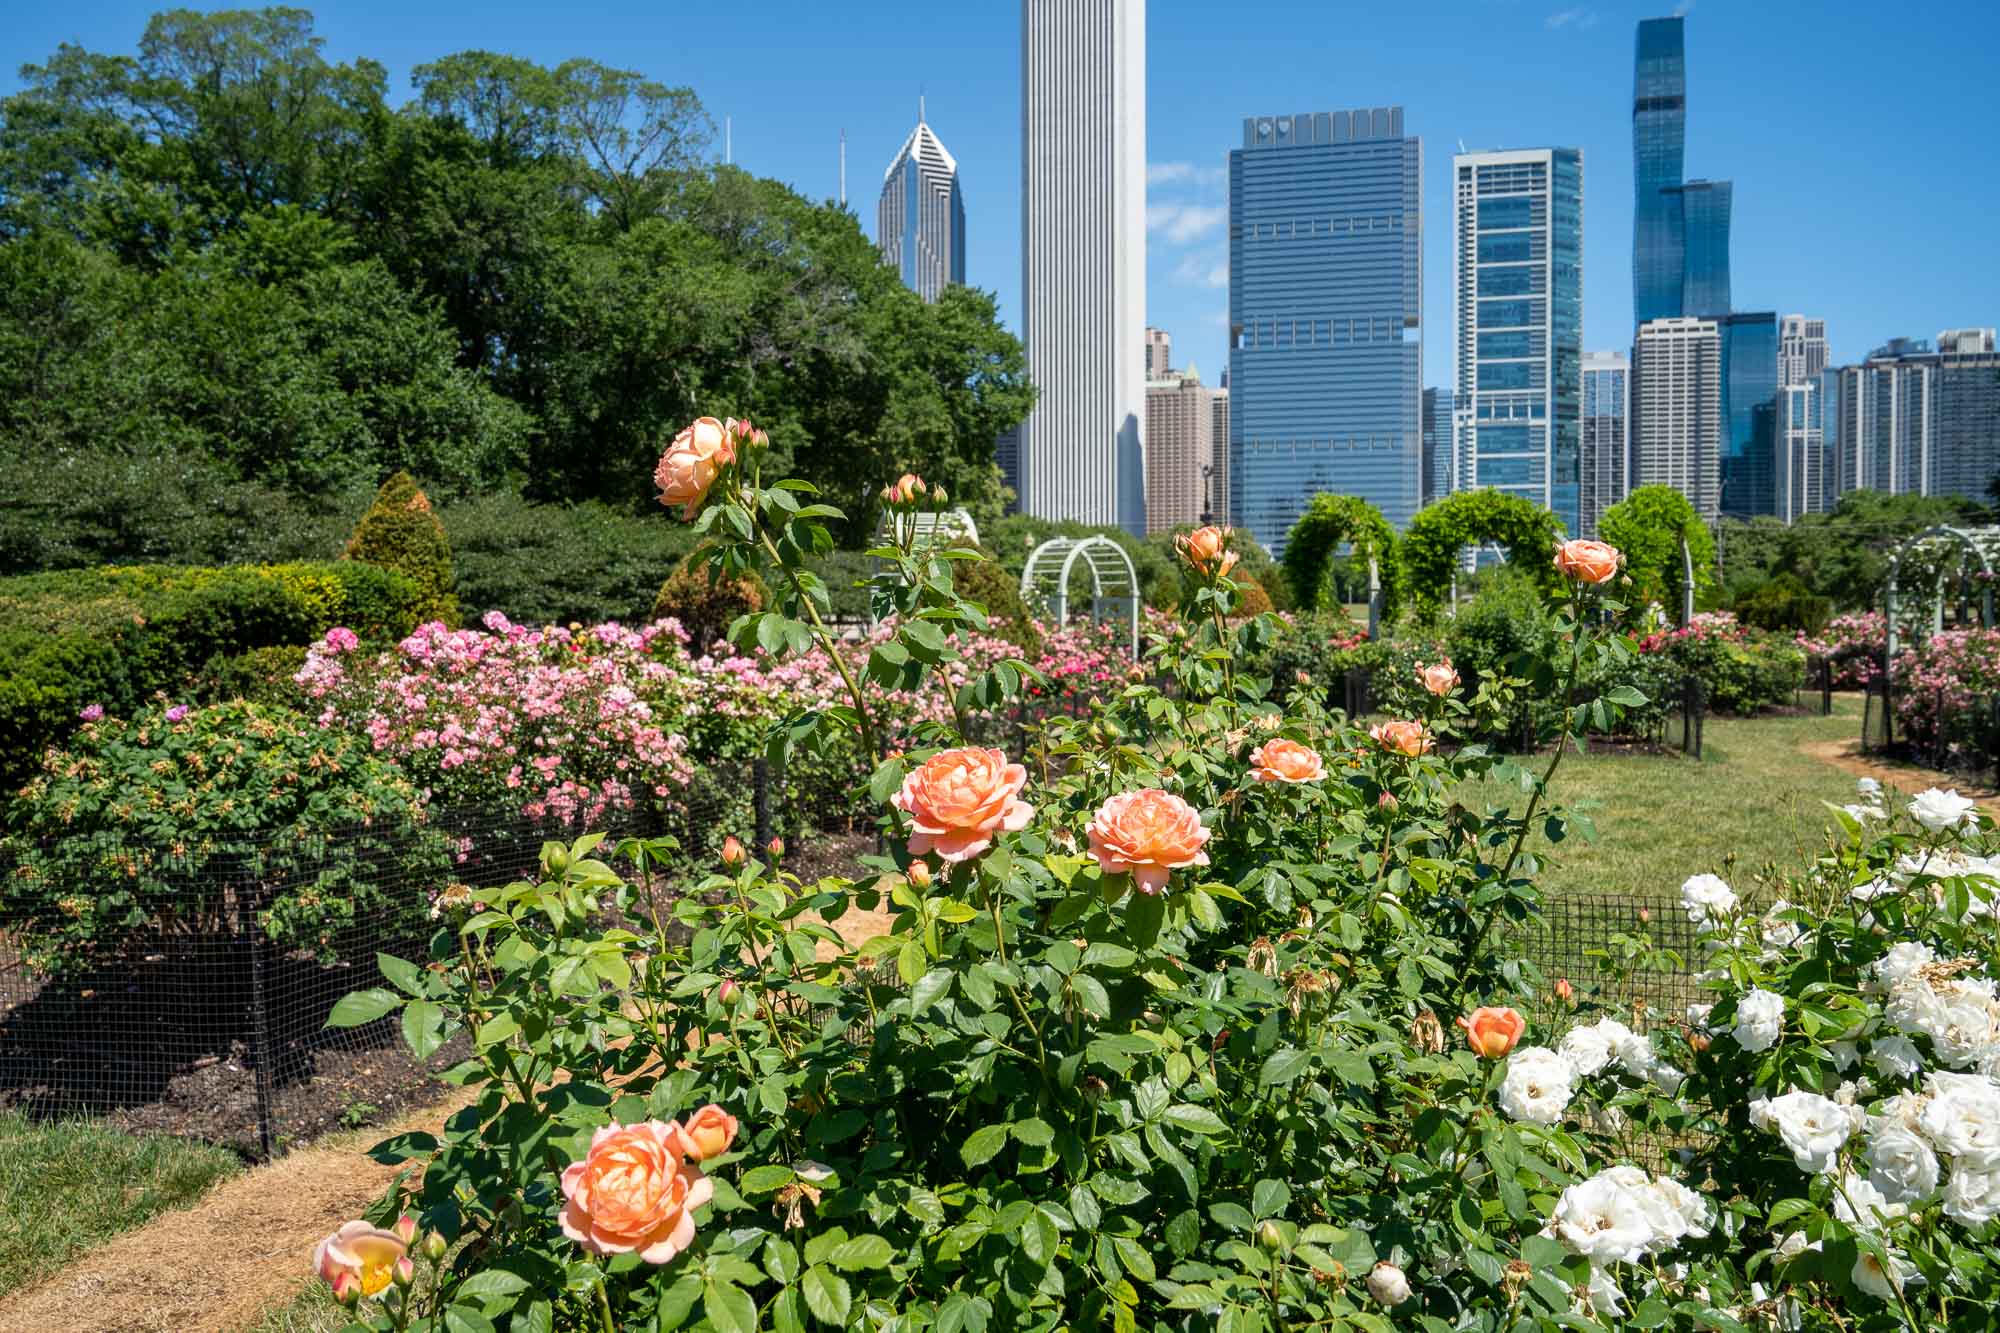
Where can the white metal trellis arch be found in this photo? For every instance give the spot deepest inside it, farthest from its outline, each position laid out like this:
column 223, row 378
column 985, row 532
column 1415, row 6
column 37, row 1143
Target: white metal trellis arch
column 1976, row 543
column 1112, row 578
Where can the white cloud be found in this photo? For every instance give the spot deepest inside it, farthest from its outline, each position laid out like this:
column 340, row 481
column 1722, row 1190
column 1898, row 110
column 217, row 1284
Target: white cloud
column 1681, row 10
column 1219, row 318
column 1202, row 270
column 1183, row 173
column 1581, row 16
column 1183, row 223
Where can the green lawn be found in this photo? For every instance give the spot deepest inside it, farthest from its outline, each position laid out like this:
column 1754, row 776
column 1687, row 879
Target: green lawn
column 1750, row 802
column 75, row 1184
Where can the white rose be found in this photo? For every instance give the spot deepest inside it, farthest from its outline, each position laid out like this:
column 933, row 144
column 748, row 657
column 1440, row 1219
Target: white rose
column 1634, row 1050
column 1586, row 1049
column 1779, row 933
column 1906, row 1108
column 1916, row 1008
column 1665, row 1077
column 1861, row 814
column 1869, row 787
column 1967, row 1031
column 1760, row 1114
column 1878, row 1278
column 1900, row 1164
column 1601, row 1296
column 1760, row 1017
column 1691, row 1213
column 1603, row 1220
column 1901, row 963
column 1971, row 1197
column 1845, row 1055
column 1939, row 810
column 1963, row 1119
column 1538, row 1085
column 1895, row 1056
column 1813, row 1127
column 1707, row 898
column 1794, row 1245
column 1858, row 1203
column 1388, row 1285
column 1697, row 1016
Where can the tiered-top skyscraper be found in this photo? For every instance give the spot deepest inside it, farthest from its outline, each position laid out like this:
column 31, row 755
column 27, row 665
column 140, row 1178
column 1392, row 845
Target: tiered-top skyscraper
column 920, row 221
column 1680, row 229
column 1083, row 258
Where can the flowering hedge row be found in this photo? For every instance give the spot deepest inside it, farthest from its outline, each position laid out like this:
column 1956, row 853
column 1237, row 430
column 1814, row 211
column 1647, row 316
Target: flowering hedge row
column 1946, row 689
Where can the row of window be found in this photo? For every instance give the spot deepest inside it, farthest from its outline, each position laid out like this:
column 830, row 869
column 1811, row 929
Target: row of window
column 1378, row 443
column 1268, row 333
column 1300, row 228
column 1511, row 409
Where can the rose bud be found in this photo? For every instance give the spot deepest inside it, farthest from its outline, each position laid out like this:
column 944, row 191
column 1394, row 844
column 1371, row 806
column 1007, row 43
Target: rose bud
column 405, row 1273
column 1270, row 1237
column 1701, row 1041
column 434, row 1247
column 776, row 847
column 732, row 851
column 347, row 1290
column 1388, row 802
column 1565, row 992
column 726, row 993
column 1387, row 1284
column 405, row 1229
column 919, row 874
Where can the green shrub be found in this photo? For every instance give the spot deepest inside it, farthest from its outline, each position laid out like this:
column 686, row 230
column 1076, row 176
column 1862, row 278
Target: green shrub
column 707, row 608
column 400, row 532
column 983, row 582
column 155, row 826
column 558, row 564
column 260, row 676
column 1504, row 633
column 1783, row 602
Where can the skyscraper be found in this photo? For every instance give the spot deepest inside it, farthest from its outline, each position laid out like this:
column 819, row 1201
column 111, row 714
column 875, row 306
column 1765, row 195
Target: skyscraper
column 1912, row 420
column 1803, row 486
column 1218, row 477
column 1180, row 447
column 1326, row 316
column 1677, row 409
column 1705, row 207
column 1159, row 350
column 1966, row 415
column 1083, row 258
column 1438, row 469
column 1518, row 224
column 1750, row 413
column 920, row 221
column 1007, row 457
column 1801, row 349
column 1659, row 149
column 1604, row 461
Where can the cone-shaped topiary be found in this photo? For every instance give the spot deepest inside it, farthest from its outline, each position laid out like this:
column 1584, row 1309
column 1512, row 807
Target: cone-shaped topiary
column 401, row 532
column 706, row 610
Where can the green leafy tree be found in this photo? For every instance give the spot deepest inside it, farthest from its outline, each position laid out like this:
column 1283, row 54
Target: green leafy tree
column 1649, row 525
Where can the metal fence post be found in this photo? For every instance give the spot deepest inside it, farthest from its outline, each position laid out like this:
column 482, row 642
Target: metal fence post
column 760, row 782
column 261, row 1046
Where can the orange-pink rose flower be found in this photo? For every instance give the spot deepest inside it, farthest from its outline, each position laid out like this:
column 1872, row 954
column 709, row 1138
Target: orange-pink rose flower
column 960, row 799
column 1280, row 760
column 634, row 1191
column 1150, row 834
column 692, row 463
column 1491, row 1032
column 1409, row 738
column 1440, row 678
column 708, row 1133
column 1588, row 561
column 364, row 1255
column 1207, row 551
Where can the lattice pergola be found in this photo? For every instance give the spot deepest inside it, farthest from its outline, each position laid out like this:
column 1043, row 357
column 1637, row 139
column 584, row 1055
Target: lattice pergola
column 952, row 527
column 1978, row 555
column 1112, row 579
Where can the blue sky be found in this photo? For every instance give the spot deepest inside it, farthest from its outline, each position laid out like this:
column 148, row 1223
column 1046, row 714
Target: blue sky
column 1862, row 137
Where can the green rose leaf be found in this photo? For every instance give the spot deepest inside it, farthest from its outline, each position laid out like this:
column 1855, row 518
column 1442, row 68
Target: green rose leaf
column 362, row 1006
column 827, row 1296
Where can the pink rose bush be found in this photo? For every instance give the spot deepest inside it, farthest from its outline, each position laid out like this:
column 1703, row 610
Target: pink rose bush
column 1855, row 643
column 1944, row 689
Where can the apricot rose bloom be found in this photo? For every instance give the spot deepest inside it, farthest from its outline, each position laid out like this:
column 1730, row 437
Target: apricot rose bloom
column 634, row 1192
column 364, row 1255
column 1440, row 677
column 708, row 1133
column 1588, row 561
column 1150, row 834
column 692, row 463
column 1491, row 1032
column 1401, row 737
column 960, row 799
column 1280, row 760
column 1207, row 551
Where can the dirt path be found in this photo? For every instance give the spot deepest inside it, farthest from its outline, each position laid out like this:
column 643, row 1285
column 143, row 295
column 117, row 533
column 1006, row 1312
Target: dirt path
column 1907, row 778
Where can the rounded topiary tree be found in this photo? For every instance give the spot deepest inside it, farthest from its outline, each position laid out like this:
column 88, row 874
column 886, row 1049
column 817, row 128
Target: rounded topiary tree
column 1647, row 526
column 984, row 582
column 706, row 607
column 1525, row 530
column 400, row 531
column 1328, row 521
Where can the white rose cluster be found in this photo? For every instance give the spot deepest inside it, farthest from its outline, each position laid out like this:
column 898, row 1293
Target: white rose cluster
column 1760, row 1018
column 1608, row 1044
column 1959, row 1014
column 1708, row 900
column 1624, row 1215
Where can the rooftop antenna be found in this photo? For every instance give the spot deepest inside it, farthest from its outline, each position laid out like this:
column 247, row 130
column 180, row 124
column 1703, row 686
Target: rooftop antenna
column 920, row 106
column 843, row 168
column 727, row 144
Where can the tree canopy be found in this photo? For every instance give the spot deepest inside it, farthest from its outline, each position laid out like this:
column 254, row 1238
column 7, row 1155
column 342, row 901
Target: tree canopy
column 228, row 250
column 1648, row 526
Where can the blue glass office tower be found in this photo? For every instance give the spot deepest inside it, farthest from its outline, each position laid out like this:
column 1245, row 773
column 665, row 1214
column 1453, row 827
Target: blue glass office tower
column 1437, row 445
column 1518, row 246
column 1326, row 316
column 1659, row 147
column 1749, row 462
column 1705, row 254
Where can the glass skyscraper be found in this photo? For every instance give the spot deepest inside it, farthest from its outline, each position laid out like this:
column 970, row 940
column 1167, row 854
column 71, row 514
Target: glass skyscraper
column 1914, row 420
column 1749, row 414
column 1519, row 283
column 1605, row 460
column 1326, row 316
column 1438, row 469
column 1659, row 148
column 920, row 219
column 1705, row 252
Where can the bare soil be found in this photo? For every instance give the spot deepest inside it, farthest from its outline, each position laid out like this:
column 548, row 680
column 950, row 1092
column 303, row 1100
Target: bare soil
column 1847, row 756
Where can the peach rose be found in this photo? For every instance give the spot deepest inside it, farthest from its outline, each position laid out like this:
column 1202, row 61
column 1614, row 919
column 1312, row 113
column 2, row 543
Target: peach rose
column 1149, row 833
column 708, row 1133
column 1588, row 562
column 1207, row 551
column 633, row 1191
column 732, row 851
column 1410, row 738
column 1280, row 760
column 1491, row 1032
column 1440, row 677
column 363, row 1256
column 959, row 799
column 692, row 463
column 904, row 489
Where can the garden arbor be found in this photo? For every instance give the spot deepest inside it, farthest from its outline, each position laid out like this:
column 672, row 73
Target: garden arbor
column 1329, row 522
column 1526, row 531
column 1112, row 579
column 1977, row 550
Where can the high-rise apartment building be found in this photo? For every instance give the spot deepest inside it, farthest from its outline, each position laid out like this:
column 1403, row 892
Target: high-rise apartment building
column 1604, row 462
column 1180, row 447
column 1218, row 477
column 1750, row 413
column 1083, row 258
column 1802, row 486
column 1518, row 279
column 1007, row 457
column 920, row 220
column 1439, row 469
column 1159, row 353
column 1326, row 316
column 1677, row 426
column 1912, row 420
column 1680, row 229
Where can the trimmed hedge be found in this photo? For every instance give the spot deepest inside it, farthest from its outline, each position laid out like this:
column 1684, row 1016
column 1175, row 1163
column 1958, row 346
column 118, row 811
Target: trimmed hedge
column 119, row 635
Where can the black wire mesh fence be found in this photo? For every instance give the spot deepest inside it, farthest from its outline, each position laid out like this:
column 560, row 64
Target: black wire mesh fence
column 1632, row 955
